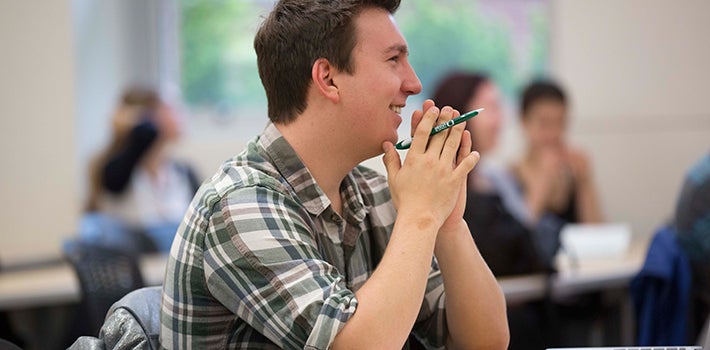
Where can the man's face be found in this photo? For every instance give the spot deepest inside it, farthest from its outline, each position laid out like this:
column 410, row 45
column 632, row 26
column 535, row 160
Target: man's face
column 373, row 96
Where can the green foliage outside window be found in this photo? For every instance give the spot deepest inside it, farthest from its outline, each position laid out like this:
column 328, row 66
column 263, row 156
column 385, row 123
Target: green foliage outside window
column 219, row 64
column 454, row 34
column 218, row 61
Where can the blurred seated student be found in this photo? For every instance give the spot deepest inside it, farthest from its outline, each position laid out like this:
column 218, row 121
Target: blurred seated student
column 554, row 177
column 692, row 226
column 677, row 266
column 135, row 184
column 494, row 205
column 557, row 187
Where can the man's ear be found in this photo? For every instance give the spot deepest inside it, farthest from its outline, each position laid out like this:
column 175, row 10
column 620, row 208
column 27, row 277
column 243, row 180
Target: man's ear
column 322, row 75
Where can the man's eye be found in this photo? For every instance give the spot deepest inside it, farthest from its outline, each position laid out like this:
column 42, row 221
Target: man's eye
column 394, row 58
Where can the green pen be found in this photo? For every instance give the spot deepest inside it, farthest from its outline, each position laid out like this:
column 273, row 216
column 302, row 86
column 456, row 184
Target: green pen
column 404, row 144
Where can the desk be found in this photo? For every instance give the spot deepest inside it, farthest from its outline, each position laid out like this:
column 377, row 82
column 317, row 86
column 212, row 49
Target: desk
column 589, row 275
column 58, row 284
column 610, row 275
column 40, row 296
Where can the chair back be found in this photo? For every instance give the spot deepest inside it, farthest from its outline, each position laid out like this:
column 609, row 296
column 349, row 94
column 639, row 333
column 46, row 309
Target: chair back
column 105, row 276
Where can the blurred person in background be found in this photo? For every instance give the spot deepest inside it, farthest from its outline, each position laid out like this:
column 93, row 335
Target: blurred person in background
column 692, row 226
column 495, row 210
column 555, row 177
column 671, row 290
column 135, row 184
column 556, row 182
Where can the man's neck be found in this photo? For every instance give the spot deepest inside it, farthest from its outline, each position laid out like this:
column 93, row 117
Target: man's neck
column 322, row 151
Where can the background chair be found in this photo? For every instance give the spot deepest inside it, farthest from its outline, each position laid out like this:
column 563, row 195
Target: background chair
column 105, row 276
column 7, row 331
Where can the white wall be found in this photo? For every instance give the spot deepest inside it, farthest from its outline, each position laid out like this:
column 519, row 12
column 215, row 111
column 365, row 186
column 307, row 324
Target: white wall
column 113, row 49
column 64, row 64
column 38, row 181
column 637, row 72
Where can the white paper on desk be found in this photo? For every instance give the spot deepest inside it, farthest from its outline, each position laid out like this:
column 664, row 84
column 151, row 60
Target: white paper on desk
column 585, row 241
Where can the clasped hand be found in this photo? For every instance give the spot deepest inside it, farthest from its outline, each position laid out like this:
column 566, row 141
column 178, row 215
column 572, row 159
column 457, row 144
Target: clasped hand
column 431, row 183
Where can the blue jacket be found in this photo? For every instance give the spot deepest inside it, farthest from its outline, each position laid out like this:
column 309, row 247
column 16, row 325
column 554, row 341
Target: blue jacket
column 661, row 292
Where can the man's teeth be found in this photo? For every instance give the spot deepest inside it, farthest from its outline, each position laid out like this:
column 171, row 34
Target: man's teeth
column 396, row 109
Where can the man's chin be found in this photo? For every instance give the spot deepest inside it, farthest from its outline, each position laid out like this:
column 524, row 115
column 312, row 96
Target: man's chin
column 392, row 140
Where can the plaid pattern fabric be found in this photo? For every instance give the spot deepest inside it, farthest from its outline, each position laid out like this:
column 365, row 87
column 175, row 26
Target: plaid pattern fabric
column 261, row 261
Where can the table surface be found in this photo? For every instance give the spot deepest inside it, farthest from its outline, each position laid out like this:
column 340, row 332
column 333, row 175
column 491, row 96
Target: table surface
column 583, row 276
column 57, row 284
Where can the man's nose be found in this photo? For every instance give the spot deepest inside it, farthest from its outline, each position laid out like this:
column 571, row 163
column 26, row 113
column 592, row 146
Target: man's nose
column 411, row 84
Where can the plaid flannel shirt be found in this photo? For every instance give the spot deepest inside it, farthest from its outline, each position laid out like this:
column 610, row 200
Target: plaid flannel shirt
column 261, row 260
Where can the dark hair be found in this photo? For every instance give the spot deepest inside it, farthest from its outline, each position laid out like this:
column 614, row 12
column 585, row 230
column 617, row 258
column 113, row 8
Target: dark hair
column 457, row 89
column 541, row 90
column 140, row 96
column 297, row 33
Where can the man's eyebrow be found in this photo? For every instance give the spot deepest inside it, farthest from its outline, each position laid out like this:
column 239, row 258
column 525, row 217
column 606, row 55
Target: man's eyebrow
column 400, row 48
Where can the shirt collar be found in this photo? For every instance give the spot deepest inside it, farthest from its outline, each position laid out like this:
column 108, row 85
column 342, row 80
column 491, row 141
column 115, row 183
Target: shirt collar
column 301, row 181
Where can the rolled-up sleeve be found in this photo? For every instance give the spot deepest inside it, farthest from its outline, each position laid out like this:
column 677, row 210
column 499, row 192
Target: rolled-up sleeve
column 262, row 263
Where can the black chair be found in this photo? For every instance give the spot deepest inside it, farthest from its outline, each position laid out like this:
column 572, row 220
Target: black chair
column 8, row 335
column 105, row 276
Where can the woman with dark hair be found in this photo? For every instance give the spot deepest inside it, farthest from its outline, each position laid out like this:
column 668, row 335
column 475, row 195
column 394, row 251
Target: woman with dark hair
column 135, row 185
column 495, row 210
column 467, row 91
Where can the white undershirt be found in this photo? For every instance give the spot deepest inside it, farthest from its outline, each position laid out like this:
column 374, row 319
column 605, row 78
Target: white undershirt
column 150, row 201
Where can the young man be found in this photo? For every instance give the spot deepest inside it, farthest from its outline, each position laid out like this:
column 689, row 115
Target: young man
column 293, row 245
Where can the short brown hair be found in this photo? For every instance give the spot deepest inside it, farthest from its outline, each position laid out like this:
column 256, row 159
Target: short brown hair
column 297, row 33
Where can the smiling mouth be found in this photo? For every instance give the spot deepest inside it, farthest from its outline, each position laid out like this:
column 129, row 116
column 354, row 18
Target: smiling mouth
column 396, row 109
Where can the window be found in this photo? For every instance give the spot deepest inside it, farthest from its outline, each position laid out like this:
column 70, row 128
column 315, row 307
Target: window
column 506, row 39
column 218, row 73
column 220, row 82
